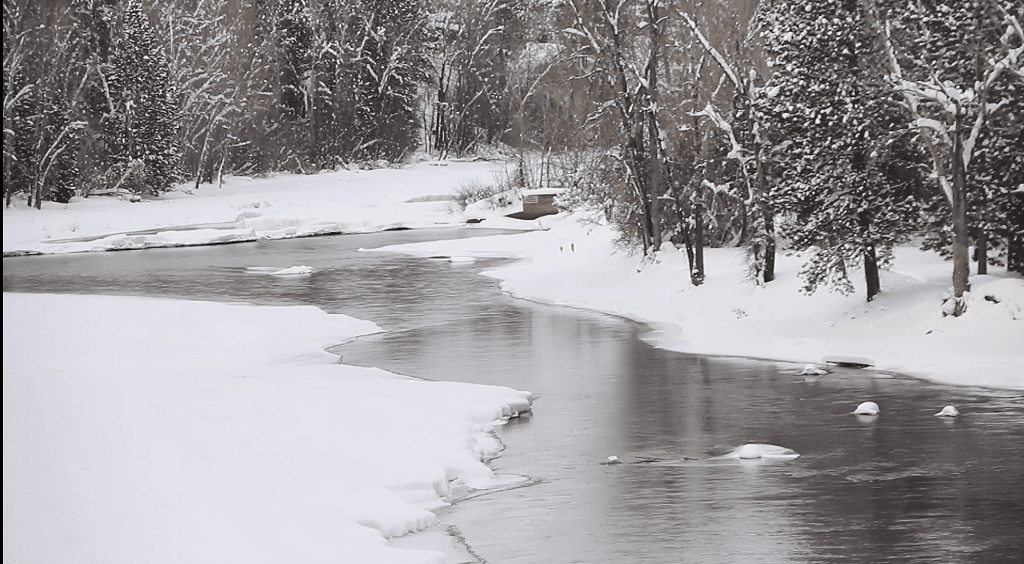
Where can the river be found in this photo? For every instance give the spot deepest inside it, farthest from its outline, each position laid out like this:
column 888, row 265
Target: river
column 904, row 486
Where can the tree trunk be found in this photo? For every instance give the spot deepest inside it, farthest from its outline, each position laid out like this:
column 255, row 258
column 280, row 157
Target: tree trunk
column 654, row 143
column 981, row 250
column 961, row 259
column 1015, row 240
column 769, row 217
column 688, row 243
column 871, row 272
column 697, row 277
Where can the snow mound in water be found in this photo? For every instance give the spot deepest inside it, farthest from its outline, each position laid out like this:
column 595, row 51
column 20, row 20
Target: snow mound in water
column 948, row 411
column 294, row 271
column 867, row 408
column 756, row 451
column 275, row 271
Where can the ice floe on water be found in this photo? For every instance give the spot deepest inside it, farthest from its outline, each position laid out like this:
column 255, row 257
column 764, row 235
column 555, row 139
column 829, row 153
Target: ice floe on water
column 754, row 451
column 277, row 271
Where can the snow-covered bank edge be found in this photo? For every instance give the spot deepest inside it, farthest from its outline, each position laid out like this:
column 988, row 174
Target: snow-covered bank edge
column 248, row 209
column 576, row 264
column 226, row 425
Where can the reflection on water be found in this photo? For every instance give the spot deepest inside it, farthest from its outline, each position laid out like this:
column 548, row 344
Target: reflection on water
column 903, row 486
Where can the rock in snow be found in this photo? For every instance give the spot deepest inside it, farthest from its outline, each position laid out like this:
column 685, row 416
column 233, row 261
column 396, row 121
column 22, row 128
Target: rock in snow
column 867, row 408
column 948, row 411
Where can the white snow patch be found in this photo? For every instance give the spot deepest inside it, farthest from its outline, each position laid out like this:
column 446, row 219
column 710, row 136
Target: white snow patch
column 813, row 370
column 293, row 271
column 171, row 431
column 755, row 451
column 867, row 408
column 948, row 411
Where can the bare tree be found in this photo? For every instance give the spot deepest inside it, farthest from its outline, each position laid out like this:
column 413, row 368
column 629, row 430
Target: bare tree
column 619, row 45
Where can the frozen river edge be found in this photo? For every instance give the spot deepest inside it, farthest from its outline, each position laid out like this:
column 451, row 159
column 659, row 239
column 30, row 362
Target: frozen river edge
column 228, row 425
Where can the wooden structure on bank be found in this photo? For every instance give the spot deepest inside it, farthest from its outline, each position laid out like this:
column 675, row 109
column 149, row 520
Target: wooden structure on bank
column 538, row 203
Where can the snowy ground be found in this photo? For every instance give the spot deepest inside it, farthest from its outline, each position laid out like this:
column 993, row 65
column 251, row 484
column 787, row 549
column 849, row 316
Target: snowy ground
column 246, row 209
column 147, row 430
column 258, row 447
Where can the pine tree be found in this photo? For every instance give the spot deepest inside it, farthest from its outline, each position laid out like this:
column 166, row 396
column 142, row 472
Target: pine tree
column 828, row 122
column 141, row 129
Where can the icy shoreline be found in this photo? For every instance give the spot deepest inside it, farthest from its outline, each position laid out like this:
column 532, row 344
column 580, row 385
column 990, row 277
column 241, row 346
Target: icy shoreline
column 576, row 264
column 249, row 209
column 255, row 444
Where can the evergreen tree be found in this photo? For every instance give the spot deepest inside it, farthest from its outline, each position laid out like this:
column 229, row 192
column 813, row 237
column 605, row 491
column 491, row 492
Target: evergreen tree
column 828, row 121
column 140, row 131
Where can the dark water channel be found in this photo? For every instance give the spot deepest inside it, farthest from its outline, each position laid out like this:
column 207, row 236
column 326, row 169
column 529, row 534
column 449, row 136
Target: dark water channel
column 902, row 487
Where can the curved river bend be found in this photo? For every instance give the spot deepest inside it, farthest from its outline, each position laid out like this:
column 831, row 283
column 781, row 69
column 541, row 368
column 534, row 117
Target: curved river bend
column 902, row 487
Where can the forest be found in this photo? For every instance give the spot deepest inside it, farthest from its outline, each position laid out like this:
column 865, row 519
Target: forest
column 832, row 128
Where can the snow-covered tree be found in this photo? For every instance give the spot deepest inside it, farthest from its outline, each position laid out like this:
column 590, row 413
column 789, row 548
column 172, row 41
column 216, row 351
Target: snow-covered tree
column 830, row 125
column 392, row 64
column 739, row 130
column 471, row 70
column 957, row 66
column 619, row 45
column 207, row 71
column 141, row 129
column 41, row 134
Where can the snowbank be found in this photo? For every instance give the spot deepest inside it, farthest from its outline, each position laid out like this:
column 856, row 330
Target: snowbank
column 576, row 264
column 246, row 209
column 145, row 430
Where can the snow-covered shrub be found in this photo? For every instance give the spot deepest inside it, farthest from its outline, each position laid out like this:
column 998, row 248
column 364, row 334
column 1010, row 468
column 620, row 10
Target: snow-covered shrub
column 488, row 196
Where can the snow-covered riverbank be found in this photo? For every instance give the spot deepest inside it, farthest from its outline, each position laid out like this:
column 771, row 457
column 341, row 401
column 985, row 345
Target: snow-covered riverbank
column 247, row 209
column 147, row 430
column 576, row 264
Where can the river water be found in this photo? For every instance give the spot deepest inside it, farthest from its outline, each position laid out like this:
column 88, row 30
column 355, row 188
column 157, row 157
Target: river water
column 902, row 487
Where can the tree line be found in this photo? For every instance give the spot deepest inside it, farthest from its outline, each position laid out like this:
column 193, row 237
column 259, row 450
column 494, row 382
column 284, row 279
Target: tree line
column 841, row 127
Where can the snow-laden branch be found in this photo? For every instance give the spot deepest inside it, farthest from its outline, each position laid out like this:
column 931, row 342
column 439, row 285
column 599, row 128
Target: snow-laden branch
column 711, row 113
column 737, row 152
column 727, row 68
column 896, row 76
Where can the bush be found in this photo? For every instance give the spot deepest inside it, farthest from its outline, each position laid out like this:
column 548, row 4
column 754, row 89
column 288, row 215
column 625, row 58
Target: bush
column 492, row 196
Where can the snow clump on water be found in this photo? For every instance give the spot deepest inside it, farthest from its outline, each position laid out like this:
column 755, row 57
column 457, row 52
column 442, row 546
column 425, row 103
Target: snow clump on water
column 755, row 451
column 867, row 408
